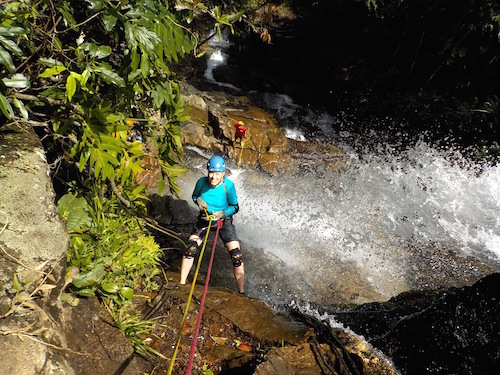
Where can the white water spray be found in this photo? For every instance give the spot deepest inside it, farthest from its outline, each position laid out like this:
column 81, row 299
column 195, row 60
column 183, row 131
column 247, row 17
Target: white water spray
column 354, row 234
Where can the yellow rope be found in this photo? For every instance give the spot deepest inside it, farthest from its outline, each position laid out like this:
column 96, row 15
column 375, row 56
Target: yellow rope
column 241, row 152
column 179, row 336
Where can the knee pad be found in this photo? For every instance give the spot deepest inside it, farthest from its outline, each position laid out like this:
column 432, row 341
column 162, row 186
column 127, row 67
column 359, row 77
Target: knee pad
column 191, row 249
column 236, row 257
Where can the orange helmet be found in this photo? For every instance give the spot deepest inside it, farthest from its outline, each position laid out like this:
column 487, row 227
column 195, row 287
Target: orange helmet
column 238, row 124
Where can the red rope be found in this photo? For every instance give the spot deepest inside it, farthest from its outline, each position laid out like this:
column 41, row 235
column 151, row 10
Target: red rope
column 202, row 301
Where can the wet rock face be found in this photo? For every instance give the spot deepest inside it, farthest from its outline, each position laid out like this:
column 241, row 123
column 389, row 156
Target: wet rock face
column 451, row 332
column 265, row 145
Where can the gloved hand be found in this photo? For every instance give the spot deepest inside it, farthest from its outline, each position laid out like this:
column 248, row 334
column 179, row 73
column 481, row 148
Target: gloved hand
column 219, row 215
column 201, row 204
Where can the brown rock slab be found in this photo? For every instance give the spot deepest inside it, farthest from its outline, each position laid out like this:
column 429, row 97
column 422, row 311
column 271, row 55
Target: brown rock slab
column 256, row 318
column 265, row 146
column 292, row 360
column 97, row 346
column 251, row 316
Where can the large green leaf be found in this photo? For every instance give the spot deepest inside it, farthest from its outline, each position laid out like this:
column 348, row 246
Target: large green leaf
column 129, row 35
column 127, row 292
column 159, row 95
column 5, row 107
column 21, row 108
column 109, row 21
column 52, row 71
column 135, row 59
column 17, row 80
column 74, row 211
column 109, row 287
column 11, row 46
column 147, row 39
column 84, row 158
column 96, row 51
column 145, row 65
column 90, row 278
column 109, row 75
column 12, row 30
column 96, row 5
column 65, row 9
column 50, row 62
column 6, row 60
column 70, row 86
column 169, row 38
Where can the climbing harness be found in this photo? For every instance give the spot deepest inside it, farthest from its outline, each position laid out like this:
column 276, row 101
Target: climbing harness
column 179, row 336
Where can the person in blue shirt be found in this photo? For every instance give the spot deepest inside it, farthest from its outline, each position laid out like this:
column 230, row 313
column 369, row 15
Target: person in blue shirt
column 216, row 196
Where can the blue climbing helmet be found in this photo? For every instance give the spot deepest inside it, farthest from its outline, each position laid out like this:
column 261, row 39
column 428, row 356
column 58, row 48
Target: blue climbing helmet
column 216, row 164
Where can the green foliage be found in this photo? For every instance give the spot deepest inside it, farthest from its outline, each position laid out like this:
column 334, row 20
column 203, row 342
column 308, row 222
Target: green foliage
column 74, row 211
column 490, row 152
column 225, row 20
column 113, row 257
column 492, row 107
column 96, row 71
column 205, row 370
column 135, row 328
column 113, row 254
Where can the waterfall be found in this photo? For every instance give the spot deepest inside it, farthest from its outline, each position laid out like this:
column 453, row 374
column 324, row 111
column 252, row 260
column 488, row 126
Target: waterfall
column 217, row 58
column 383, row 226
column 400, row 216
column 370, row 220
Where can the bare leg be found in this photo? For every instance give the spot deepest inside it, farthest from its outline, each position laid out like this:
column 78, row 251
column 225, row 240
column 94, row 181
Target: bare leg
column 187, row 263
column 185, row 268
column 239, row 272
column 239, row 275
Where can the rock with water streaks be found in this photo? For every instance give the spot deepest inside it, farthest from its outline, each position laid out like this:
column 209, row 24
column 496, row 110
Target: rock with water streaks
column 266, row 145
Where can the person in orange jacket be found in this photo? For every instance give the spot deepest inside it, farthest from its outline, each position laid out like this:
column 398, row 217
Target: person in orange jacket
column 241, row 131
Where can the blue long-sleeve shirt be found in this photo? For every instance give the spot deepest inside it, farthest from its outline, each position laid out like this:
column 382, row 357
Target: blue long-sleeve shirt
column 217, row 197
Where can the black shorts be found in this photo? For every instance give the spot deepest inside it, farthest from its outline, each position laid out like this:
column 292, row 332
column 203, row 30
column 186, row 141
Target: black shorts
column 227, row 233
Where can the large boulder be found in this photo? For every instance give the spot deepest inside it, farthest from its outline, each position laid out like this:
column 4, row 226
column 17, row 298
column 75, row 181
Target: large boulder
column 39, row 335
column 33, row 239
column 33, row 234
